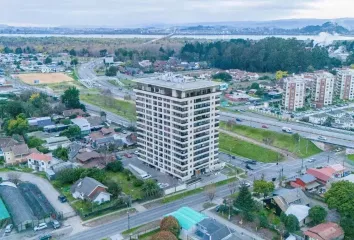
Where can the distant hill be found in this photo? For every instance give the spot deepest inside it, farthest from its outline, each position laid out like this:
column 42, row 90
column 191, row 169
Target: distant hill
column 329, row 27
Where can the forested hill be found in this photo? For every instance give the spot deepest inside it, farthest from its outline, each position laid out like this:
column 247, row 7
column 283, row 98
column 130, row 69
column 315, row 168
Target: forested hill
column 267, row 55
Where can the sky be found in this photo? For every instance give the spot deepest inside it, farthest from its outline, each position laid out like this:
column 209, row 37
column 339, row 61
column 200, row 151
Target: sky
column 134, row 13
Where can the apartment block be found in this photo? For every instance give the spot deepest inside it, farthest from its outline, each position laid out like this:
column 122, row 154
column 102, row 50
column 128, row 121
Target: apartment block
column 294, row 93
column 345, row 84
column 322, row 89
column 178, row 122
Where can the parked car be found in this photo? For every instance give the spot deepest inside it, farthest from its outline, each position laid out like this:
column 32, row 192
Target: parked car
column 62, row 198
column 128, row 155
column 118, row 157
column 9, row 228
column 55, row 224
column 247, row 184
column 254, row 162
column 136, row 152
column 249, row 167
column 238, row 120
column 41, row 226
column 125, row 131
column 45, row 237
column 311, row 160
column 264, row 126
column 322, row 138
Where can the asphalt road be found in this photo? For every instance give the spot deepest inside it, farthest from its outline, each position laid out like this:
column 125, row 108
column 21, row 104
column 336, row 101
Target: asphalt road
column 145, row 217
column 333, row 137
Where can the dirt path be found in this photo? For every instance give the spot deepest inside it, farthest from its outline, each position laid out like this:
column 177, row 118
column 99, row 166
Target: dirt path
column 287, row 154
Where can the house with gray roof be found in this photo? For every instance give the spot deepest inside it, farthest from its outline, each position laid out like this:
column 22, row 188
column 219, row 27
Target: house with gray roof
column 96, row 122
column 210, row 229
column 307, row 182
column 90, row 189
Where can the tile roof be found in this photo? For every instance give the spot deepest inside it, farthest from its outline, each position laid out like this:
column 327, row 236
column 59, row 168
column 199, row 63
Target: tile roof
column 322, row 174
column 40, row 157
column 325, row 231
column 337, row 167
column 18, row 150
column 307, row 178
column 85, row 156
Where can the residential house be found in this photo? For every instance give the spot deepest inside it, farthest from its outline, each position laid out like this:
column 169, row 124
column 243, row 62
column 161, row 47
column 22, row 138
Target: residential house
column 324, row 175
column 7, row 142
column 16, row 154
column 306, row 182
column 104, row 137
column 318, row 118
column 145, row 64
column 210, row 229
column 39, row 161
column 94, row 159
column 282, row 199
column 71, row 112
column 301, row 212
column 53, row 143
column 40, row 122
column 57, row 167
column 90, row 189
column 95, row 122
column 131, row 139
column 325, row 231
column 74, row 149
column 83, row 124
column 346, row 121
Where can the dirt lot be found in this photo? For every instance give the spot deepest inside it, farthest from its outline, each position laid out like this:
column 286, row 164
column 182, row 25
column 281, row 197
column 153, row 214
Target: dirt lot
column 44, row 78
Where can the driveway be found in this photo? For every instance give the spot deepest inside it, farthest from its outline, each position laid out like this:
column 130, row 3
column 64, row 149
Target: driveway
column 47, row 189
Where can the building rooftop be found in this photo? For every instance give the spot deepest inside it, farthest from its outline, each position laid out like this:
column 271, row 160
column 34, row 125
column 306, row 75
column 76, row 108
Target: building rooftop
column 307, row 178
column 177, row 82
column 40, row 157
column 325, row 231
column 299, row 211
column 187, row 217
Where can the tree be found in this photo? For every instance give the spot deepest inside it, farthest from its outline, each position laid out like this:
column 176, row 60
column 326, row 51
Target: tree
column 8, row 50
column 245, row 202
column 224, row 76
column 48, row 60
column 72, row 52
column 112, row 71
column 69, row 176
column 292, row 223
column 255, row 85
column 14, row 177
column 263, row 187
column 210, row 191
column 318, row 214
column 72, row 132
column 164, row 235
column 74, row 62
column 103, row 52
column 150, row 188
column 232, row 186
column 329, row 121
column 263, row 220
column 115, row 166
column 61, row 153
column 71, row 98
column 339, row 197
column 34, row 142
column 113, row 188
column 170, row 224
column 280, row 74
column 347, row 223
column 17, row 126
column 310, row 69
column 18, row 50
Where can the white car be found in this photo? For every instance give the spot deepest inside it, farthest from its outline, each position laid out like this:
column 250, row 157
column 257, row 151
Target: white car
column 322, row 138
column 311, row 160
column 41, row 226
column 136, row 152
column 9, row 228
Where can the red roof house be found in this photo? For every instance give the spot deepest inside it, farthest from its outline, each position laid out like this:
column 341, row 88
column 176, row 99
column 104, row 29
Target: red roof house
column 325, row 231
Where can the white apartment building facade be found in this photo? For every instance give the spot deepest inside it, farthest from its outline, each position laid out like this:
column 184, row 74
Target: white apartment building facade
column 345, row 84
column 322, row 89
column 294, row 93
column 178, row 124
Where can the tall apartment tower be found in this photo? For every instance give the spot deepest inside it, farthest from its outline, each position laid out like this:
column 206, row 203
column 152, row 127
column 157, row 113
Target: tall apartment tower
column 345, row 84
column 322, row 89
column 294, row 93
column 178, row 124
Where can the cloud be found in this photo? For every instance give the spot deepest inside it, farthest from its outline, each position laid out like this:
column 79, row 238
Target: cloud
column 127, row 13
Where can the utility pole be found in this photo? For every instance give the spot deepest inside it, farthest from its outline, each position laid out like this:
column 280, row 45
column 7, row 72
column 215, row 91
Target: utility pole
column 128, row 221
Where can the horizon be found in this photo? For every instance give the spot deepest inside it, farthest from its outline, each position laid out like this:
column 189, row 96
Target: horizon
column 138, row 13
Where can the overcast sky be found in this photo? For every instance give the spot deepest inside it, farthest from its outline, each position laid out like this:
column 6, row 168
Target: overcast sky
column 131, row 13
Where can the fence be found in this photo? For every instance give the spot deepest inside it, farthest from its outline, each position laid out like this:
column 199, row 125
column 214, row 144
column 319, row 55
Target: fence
column 136, row 236
column 99, row 210
column 175, row 189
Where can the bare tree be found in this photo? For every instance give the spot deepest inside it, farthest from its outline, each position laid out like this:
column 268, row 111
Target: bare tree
column 232, row 185
column 14, row 177
column 210, row 191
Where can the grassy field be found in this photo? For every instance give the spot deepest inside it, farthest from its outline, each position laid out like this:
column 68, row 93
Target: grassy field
column 113, row 82
column 127, row 82
column 122, row 108
column 127, row 186
column 351, row 157
column 279, row 140
column 245, row 149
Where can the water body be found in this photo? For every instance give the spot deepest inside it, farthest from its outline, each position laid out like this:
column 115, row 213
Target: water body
column 323, row 37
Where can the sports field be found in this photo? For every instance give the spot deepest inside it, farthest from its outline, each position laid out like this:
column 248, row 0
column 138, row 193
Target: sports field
column 44, row 78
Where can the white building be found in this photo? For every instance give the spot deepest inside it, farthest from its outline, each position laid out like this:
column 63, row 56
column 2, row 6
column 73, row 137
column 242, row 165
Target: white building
column 322, row 89
column 318, row 118
column 178, row 123
column 294, row 93
column 39, row 161
column 345, row 84
column 83, row 124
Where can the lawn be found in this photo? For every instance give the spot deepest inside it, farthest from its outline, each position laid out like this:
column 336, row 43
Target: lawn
column 122, row 108
column 127, row 186
column 279, row 140
column 231, row 170
column 351, row 157
column 114, row 82
column 127, row 82
column 245, row 149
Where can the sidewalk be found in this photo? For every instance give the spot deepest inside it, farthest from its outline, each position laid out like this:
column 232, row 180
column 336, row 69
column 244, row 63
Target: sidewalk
column 232, row 226
column 289, row 155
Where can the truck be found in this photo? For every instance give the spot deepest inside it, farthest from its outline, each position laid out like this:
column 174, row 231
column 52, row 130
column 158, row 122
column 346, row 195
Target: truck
column 139, row 173
column 287, row 130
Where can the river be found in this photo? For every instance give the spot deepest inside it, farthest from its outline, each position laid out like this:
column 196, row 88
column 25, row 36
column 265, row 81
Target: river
column 322, row 37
